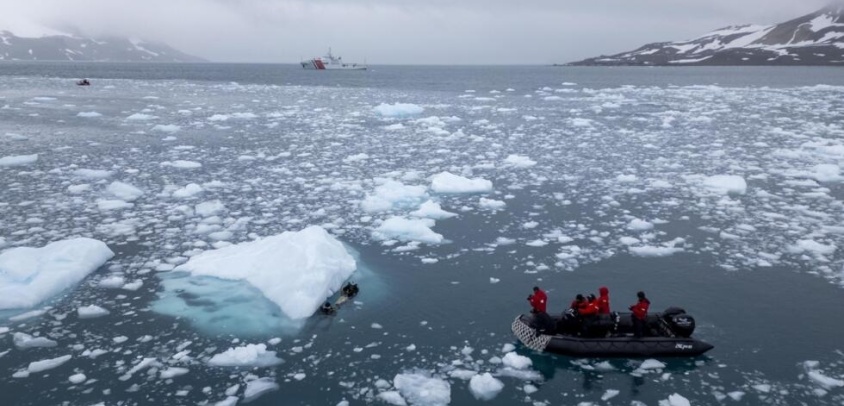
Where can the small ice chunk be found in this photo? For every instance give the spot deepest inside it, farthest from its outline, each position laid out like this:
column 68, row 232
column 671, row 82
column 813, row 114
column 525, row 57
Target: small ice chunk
column 250, row 355
column 485, row 386
column 726, row 184
column 397, row 110
column 257, row 388
column 519, row 161
column 392, row 397
column 17, row 160
column 651, row 364
column 43, row 365
column 609, row 394
column 446, row 182
column 173, row 372
column 23, row 340
column 90, row 312
column 423, row 390
column 404, row 229
column 432, row 210
column 491, row 204
column 77, row 378
column 124, row 191
column 675, row 400
column 516, row 361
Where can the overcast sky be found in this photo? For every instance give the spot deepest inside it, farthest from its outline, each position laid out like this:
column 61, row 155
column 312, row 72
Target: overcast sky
column 400, row 31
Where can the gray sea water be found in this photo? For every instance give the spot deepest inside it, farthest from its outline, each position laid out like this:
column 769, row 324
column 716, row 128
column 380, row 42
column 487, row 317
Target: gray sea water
column 623, row 193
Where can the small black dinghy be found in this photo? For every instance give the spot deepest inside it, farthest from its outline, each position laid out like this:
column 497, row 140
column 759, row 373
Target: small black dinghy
column 668, row 334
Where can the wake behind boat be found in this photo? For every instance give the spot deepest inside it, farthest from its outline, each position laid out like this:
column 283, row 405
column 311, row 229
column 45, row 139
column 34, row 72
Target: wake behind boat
column 331, row 62
column 611, row 335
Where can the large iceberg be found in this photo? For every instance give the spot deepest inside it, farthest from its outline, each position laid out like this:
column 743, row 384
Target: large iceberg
column 295, row 270
column 28, row 276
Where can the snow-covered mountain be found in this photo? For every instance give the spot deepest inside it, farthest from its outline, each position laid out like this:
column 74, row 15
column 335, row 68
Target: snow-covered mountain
column 814, row 39
column 76, row 48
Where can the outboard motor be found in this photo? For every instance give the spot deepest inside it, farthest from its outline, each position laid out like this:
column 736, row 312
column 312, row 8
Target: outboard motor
column 681, row 324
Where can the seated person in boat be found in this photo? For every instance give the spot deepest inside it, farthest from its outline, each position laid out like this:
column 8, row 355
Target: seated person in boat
column 640, row 314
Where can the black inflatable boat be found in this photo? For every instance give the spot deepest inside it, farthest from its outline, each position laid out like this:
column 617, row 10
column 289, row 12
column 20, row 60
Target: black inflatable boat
column 668, row 334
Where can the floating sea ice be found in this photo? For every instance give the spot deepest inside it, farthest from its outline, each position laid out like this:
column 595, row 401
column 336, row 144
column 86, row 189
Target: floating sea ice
column 485, row 386
column 392, row 397
column 812, row 247
column 296, row 270
column 77, row 189
column 725, row 184
column 422, row 390
column 609, row 394
column 675, row 400
column 113, row 204
column 77, row 378
column 432, row 210
column 519, row 161
column 124, row 191
column 23, row 341
column 88, row 114
column 190, row 190
column 91, row 173
column 28, row 276
column 257, row 388
column 491, row 204
column 639, row 225
column 826, row 173
column 140, row 117
column 446, row 182
column 516, row 361
column 228, row 401
column 90, row 312
column 43, row 365
column 16, row 160
column 393, row 195
column 404, row 229
column 651, row 364
column 818, row 377
column 397, row 110
column 166, row 128
column 112, row 282
column 173, row 372
column 210, row 208
column 182, row 164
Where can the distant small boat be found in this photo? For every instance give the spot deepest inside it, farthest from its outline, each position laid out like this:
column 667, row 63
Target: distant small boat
column 331, row 62
column 83, row 82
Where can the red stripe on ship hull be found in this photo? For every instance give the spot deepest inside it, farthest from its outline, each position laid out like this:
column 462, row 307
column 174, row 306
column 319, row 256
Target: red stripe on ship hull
column 318, row 63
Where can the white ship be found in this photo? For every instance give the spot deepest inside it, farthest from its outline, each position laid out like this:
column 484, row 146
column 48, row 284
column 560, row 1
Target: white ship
column 331, row 62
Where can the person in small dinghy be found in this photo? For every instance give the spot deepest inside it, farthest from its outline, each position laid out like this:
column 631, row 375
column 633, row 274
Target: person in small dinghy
column 538, row 300
column 604, row 300
column 640, row 314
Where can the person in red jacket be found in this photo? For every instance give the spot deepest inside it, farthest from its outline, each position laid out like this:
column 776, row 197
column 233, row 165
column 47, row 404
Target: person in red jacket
column 589, row 307
column 604, row 300
column 538, row 300
column 640, row 313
